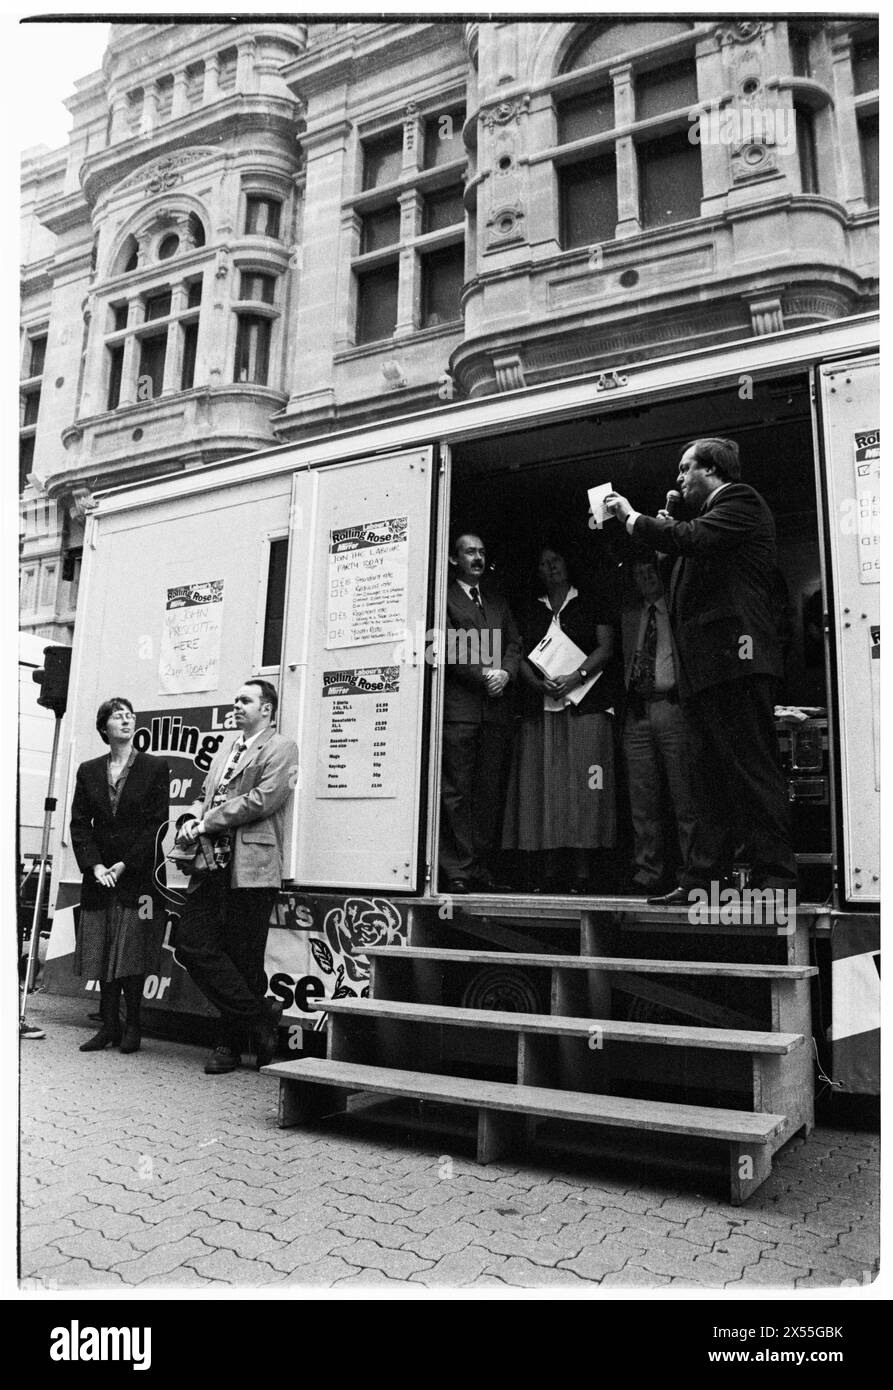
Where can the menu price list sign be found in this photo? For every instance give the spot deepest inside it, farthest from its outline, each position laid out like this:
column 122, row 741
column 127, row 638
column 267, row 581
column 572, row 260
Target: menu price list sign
column 367, row 583
column 357, row 732
column 867, row 453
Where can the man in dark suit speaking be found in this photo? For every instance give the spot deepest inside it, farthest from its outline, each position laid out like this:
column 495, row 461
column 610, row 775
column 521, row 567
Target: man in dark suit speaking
column 483, row 647
column 729, row 664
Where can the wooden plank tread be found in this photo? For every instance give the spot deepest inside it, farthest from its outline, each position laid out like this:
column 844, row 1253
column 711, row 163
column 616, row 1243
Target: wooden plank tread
column 610, row 1030
column 737, row 1126
column 718, row 969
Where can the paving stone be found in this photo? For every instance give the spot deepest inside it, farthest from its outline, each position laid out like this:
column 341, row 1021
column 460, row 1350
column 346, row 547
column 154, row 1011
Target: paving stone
column 226, row 1267
column 769, row 1273
column 524, row 1274
column 95, row 1249
column 325, row 1271
column 389, row 1233
column 400, row 1264
column 744, row 1250
column 161, row 1260
column 306, row 1250
column 108, row 1222
column 34, row 1235
column 78, row 1274
column 678, row 1209
column 598, row 1260
column 247, row 1244
column 704, row 1231
column 633, row 1277
column 367, row 1277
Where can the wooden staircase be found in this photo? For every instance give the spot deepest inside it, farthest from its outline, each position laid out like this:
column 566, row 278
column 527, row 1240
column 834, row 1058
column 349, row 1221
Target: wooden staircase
column 699, row 1034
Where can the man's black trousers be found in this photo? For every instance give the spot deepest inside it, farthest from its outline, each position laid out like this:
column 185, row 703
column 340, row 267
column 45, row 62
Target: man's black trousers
column 221, row 939
column 739, row 790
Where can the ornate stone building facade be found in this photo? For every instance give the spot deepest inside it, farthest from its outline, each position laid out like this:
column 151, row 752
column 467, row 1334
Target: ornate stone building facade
column 261, row 232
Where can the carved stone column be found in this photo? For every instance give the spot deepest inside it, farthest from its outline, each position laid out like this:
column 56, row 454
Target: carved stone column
column 628, row 220
column 120, row 114
column 245, row 49
column 409, row 290
column 173, row 355
column 178, row 95
column 850, row 165
column 149, row 118
column 211, row 87
column 413, row 138
column 136, row 314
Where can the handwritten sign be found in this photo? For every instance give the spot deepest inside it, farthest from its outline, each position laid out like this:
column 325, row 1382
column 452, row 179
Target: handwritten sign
column 867, row 462
column 357, row 729
column 367, row 583
column 190, row 638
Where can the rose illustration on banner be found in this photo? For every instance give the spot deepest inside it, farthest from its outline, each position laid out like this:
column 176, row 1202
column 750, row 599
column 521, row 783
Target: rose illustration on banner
column 361, row 922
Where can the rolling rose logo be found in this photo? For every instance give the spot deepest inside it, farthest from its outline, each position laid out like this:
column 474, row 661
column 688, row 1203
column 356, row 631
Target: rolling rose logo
column 361, row 922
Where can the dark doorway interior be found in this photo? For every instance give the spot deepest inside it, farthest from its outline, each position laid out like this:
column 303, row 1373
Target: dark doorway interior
column 519, row 490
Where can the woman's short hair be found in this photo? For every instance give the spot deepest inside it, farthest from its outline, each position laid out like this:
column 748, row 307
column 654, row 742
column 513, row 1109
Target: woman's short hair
column 568, row 555
column 106, row 710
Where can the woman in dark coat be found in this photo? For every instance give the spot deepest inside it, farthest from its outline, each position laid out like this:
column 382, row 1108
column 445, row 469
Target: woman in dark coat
column 118, row 816
column 561, row 800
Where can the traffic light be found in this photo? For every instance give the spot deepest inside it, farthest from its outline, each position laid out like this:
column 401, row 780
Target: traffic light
column 53, row 679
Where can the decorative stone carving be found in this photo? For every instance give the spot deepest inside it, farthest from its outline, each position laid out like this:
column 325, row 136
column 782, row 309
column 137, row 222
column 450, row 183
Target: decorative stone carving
column 164, row 173
column 410, row 113
column 766, row 316
column 509, row 372
column 752, row 161
column 505, row 224
column 611, row 381
column 221, row 268
column 392, row 374
column 82, row 502
column 505, row 112
column 741, row 31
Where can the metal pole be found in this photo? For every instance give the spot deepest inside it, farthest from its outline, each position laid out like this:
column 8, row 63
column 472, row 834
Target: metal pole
column 49, row 807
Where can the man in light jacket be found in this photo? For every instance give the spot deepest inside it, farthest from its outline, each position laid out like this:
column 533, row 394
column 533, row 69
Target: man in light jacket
column 222, row 934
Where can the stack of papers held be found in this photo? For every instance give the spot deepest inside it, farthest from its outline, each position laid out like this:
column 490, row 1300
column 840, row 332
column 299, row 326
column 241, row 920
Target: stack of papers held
column 554, row 656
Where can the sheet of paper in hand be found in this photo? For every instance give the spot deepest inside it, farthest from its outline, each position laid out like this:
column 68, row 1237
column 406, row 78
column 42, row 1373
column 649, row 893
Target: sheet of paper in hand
column 554, row 656
column 597, row 497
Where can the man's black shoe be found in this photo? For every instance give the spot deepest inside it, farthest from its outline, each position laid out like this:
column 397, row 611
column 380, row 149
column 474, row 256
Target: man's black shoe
column 266, row 1036
column 221, row 1060
column 679, row 897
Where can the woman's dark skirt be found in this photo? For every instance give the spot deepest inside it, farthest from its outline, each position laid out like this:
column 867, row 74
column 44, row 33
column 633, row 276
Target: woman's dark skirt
column 561, row 792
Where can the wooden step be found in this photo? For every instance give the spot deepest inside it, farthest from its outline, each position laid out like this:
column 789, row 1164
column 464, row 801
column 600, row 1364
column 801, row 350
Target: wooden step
column 620, row 964
column 608, row 1030
column 311, row 1088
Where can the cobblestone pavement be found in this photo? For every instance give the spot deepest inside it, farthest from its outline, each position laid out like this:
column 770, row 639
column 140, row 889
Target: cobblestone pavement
column 142, row 1172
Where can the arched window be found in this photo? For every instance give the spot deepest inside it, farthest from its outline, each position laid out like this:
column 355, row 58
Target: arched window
column 649, row 99
column 127, row 257
column 601, row 41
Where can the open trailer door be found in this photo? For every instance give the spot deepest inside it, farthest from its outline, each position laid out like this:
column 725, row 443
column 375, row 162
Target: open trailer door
column 353, row 669
column 849, row 397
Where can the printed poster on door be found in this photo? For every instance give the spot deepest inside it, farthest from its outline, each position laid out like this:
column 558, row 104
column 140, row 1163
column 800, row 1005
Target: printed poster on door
column 367, row 583
column 357, row 733
column 867, row 462
column 190, row 638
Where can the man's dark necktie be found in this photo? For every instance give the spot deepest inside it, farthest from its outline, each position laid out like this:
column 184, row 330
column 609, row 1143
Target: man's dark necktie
column 476, row 598
column 646, row 658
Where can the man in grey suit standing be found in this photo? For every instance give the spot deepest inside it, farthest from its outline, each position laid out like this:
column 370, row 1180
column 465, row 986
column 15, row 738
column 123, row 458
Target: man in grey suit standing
column 222, row 933
column 483, row 650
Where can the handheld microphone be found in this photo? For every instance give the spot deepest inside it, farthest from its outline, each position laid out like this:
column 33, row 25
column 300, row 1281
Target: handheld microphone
column 673, row 502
